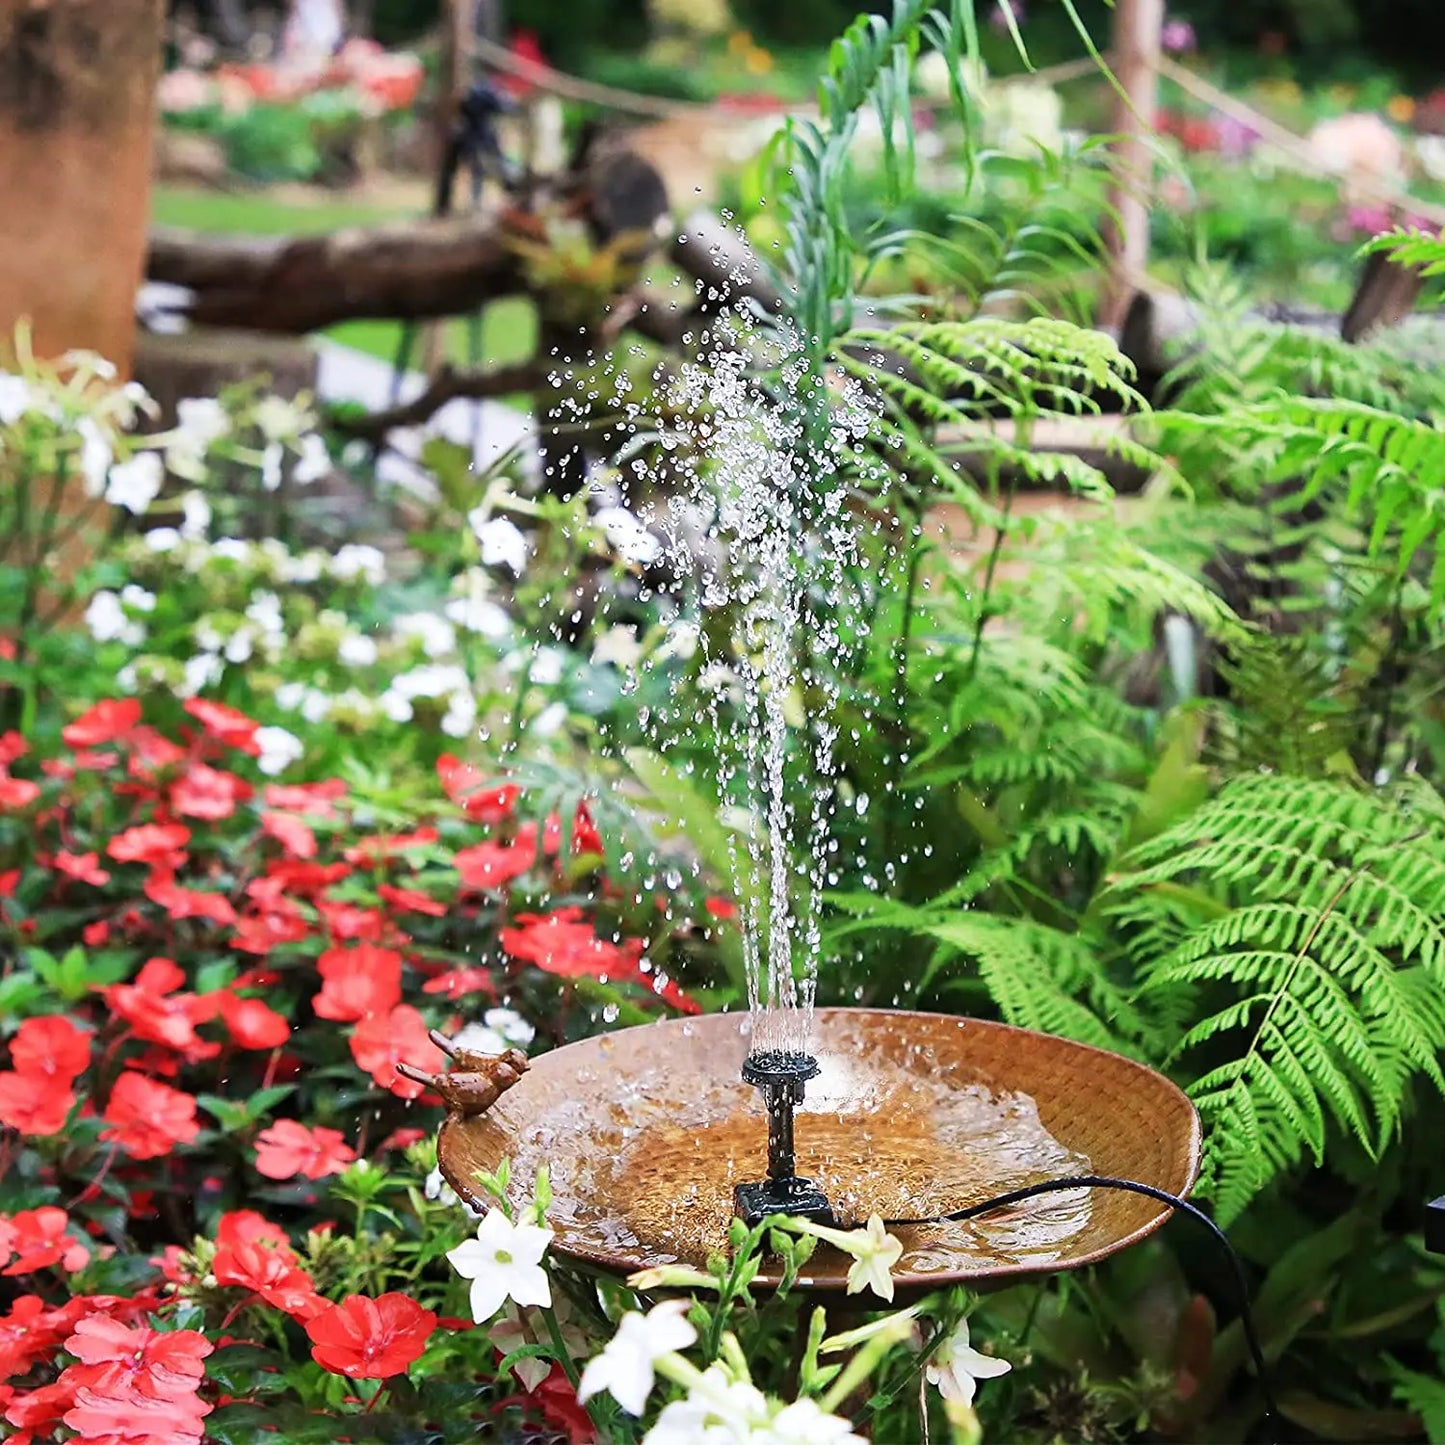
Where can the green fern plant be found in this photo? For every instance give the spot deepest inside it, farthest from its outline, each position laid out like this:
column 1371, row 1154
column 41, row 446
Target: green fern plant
column 1318, row 988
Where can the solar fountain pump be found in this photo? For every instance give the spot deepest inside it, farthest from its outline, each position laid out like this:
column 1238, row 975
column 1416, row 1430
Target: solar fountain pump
column 781, row 1077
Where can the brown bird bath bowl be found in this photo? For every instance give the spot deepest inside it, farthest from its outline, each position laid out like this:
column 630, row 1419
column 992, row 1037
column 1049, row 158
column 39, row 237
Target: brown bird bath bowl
column 647, row 1131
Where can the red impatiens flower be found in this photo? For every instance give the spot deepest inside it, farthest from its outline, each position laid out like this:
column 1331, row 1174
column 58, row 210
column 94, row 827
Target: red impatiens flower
column 229, row 727
column 12, row 746
column 292, row 875
column 350, row 920
column 33, row 1104
column 28, row 1332
column 16, row 793
column 152, row 753
column 291, row 833
column 106, row 722
column 261, row 932
column 368, row 1339
column 466, row 787
column 36, row 1238
column 162, row 889
column 459, row 982
column 253, row 1024
column 313, row 800
column 493, row 865
column 410, row 900
column 585, row 837
column 377, row 847
column 287, row 1149
column 148, row 1119
column 160, row 1015
column 381, row 1041
column 51, row 1048
column 83, row 867
column 562, row 942
column 208, row 793
column 133, row 1417
column 721, row 909
column 116, row 1360
column 357, row 982
column 160, row 845
column 269, row 1271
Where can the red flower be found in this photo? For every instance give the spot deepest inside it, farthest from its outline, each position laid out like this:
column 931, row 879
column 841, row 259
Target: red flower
column 230, row 728
column 293, row 876
column 50, row 1048
column 95, row 934
column 37, row 1239
column 253, row 1024
column 162, row 889
column 83, row 867
column 460, row 982
column 267, row 1271
column 17, row 792
column 315, row 800
column 380, row 846
column 493, row 865
column 401, row 1139
column 148, row 1119
column 160, row 845
column 409, row 900
column 29, row 1332
column 261, row 932
column 106, row 722
column 291, row 833
column 357, row 982
column 158, row 1014
column 32, row 1104
column 245, row 1226
column 8, row 881
column 208, row 793
column 381, row 1041
column 562, row 943
column 150, row 753
column 466, row 787
column 721, row 908
column 367, row 1339
column 585, row 837
column 12, row 746
column 287, row 1149
column 39, row 1410
column 348, row 920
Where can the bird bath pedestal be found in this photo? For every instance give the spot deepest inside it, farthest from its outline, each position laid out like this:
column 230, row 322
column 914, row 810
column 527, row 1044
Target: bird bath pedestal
column 648, row 1132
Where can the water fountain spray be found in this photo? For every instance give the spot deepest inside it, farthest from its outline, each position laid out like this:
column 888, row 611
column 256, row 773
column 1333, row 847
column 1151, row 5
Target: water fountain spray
column 781, row 1076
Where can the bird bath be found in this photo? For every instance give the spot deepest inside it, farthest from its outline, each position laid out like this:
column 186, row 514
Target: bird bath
column 647, row 1132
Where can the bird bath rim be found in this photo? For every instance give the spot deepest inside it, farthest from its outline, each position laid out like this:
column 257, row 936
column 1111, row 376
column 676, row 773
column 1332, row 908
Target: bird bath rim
column 1154, row 1135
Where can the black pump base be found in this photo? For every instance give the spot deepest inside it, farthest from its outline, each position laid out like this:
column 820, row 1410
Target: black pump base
column 800, row 1198
column 1435, row 1225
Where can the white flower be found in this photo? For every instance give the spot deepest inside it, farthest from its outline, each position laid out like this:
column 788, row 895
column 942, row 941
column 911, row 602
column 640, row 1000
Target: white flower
column 476, row 614
column 279, row 749
column 358, row 560
column 550, row 719
column 134, row 484
column 133, row 596
column 632, row 541
column 314, row 463
column 396, row 706
column 618, row 646
column 718, row 1410
column 510, row 1024
column 201, row 420
column 15, row 398
column 315, row 705
column 290, row 695
column 271, row 466
column 957, row 1367
column 874, row 1252
column 95, row 456
column 231, row 549
column 503, row 542
column 479, row 1039
column 278, row 419
column 625, row 1367
column 438, row 637
column 207, row 636
column 196, row 516
column 460, row 716
column 125, row 679
column 162, row 539
column 264, row 610
column 308, row 567
column 106, row 619
column 240, row 644
column 504, row 1262
column 680, row 642
column 201, row 671
column 547, row 665
column 805, row 1422
column 355, row 650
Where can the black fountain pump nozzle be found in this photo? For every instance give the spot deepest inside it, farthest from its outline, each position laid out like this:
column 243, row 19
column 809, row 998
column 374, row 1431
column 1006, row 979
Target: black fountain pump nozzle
column 781, row 1077
column 1435, row 1225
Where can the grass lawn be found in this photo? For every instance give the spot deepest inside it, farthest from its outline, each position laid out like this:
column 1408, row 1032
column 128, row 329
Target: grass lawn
column 509, row 326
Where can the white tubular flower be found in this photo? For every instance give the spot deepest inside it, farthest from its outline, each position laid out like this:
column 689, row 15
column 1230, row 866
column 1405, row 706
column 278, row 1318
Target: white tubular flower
column 135, row 484
column 95, row 456
column 137, row 597
column 106, row 618
column 957, row 1367
column 271, row 466
column 356, row 559
column 279, row 749
column 195, row 517
column 503, row 543
column 619, row 647
column 549, row 720
column 356, row 650
column 203, row 670
column 805, row 1422
column 162, row 539
column 16, row 398
column 314, row 464
column 201, row 420
column 436, row 635
column 511, row 1025
column 631, row 540
column 504, row 1262
column 476, row 614
column 874, row 1252
column 625, row 1368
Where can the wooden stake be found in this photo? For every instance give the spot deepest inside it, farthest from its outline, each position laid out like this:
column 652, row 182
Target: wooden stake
column 1135, row 59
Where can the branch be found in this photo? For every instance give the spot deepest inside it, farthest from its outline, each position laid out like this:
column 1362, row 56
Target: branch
column 449, row 384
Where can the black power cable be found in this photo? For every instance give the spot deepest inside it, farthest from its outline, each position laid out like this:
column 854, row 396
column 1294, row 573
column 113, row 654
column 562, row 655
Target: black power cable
column 1132, row 1186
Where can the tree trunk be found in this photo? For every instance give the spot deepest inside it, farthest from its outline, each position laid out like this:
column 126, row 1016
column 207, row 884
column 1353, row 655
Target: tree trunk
column 77, row 116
